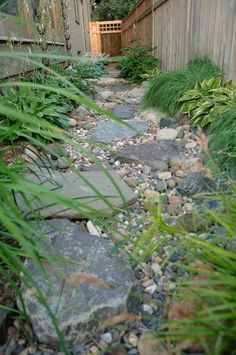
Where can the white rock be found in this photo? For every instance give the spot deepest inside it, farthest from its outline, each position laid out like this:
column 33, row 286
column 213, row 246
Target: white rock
column 156, row 268
column 165, row 175
column 72, row 122
column 191, row 145
column 151, row 289
column 147, row 308
column 92, row 229
column 107, row 337
column 133, row 340
column 167, row 133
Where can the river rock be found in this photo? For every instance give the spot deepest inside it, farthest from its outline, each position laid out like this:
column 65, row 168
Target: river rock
column 82, row 294
column 167, row 134
column 146, row 153
column 110, row 131
column 194, row 183
column 169, row 122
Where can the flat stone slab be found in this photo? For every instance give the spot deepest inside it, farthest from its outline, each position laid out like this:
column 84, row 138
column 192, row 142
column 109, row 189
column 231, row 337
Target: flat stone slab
column 110, row 131
column 124, row 111
column 98, row 284
column 107, row 195
column 147, row 153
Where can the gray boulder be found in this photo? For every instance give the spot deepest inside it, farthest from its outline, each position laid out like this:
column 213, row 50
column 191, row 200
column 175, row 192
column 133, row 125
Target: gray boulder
column 169, row 122
column 124, row 111
column 81, row 294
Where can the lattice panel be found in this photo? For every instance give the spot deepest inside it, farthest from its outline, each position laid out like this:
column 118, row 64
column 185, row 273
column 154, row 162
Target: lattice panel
column 110, row 27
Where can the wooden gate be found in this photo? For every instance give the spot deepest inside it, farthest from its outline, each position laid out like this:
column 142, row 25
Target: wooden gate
column 105, row 37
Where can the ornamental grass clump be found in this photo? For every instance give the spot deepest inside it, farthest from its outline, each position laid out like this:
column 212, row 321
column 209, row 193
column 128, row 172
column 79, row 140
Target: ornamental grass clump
column 222, row 142
column 168, row 87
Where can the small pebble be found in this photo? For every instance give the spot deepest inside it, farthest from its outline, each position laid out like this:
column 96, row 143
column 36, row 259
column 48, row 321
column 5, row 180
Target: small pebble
column 151, row 289
column 107, row 337
column 133, row 340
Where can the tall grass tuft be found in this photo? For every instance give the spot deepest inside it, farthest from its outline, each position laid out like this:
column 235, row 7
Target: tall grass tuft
column 222, row 143
column 169, row 86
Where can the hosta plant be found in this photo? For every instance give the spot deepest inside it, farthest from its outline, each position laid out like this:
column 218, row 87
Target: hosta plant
column 208, row 100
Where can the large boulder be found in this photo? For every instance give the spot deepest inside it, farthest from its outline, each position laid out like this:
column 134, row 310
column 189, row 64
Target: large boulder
column 95, row 285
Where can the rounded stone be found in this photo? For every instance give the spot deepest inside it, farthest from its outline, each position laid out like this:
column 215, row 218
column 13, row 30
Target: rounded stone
column 171, row 183
column 167, row 134
column 158, row 165
column 72, row 122
column 165, row 175
column 62, row 163
column 160, row 186
column 131, row 181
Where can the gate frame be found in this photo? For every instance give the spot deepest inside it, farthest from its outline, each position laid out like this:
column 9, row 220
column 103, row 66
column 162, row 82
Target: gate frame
column 96, row 28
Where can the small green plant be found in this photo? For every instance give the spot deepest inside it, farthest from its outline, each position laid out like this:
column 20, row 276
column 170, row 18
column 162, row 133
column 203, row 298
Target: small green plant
column 168, row 87
column 222, row 142
column 137, row 62
column 207, row 100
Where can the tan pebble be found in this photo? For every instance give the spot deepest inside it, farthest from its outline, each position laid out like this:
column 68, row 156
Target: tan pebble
column 171, row 183
column 173, row 169
column 173, row 210
column 147, row 283
column 191, row 145
column 133, row 340
column 178, row 180
column 175, row 200
column 131, row 181
column 157, row 259
column 186, row 127
column 165, row 175
column 177, row 160
column 93, row 351
column 179, row 173
column 151, row 194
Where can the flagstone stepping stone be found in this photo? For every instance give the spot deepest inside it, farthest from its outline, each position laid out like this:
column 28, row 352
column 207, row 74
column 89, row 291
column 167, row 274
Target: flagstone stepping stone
column 95, row 193
column 147, row 153
column 81, row 295
column 110, row 131
column 124, row 111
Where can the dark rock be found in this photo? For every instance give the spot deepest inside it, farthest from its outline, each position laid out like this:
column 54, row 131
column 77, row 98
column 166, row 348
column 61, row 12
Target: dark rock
column 146, row 153
column 194, row 183
column 161, row 186
column 169, row 122
column 79, row 303
column 124, row 111
column 174, row 257
column 110, row 131
column 193, row 222
column 180, row 133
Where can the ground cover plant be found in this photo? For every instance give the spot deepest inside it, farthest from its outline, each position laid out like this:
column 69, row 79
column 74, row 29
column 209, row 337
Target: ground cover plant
column 137, row 62
column 168, row 87
column 222, row 141
column 207, row 100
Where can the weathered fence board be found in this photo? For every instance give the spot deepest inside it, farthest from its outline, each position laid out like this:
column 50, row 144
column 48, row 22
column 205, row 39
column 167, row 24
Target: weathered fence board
column 182, row 29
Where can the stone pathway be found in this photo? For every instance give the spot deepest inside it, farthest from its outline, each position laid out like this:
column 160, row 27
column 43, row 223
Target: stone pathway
column 164, row 162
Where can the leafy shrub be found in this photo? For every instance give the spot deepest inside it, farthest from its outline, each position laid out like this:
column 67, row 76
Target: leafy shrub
column 168, row 87
column 36, row 102
column 222, row 143
column 207, row 100
column 137, row 62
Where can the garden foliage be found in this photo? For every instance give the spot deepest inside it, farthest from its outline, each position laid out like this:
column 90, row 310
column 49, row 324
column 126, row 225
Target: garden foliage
column 137, row 62
column 207, row 100
column 222, row 142
column 168, row 87
column 113, row 9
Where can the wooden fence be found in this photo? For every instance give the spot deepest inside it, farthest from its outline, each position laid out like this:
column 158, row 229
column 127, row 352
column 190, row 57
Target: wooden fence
column 182, row 29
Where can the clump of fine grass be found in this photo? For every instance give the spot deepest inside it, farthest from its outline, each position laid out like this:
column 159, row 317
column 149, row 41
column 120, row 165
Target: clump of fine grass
column 222, row 144
column 169, row 86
